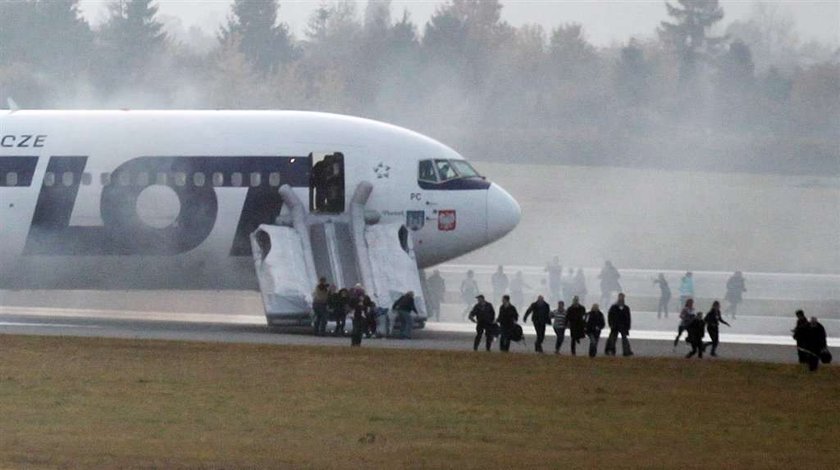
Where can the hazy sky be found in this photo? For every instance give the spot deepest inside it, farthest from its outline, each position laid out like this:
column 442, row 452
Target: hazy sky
column 604, row 21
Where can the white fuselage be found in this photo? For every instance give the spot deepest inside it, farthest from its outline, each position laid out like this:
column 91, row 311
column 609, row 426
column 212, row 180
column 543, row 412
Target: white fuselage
column 166, row 199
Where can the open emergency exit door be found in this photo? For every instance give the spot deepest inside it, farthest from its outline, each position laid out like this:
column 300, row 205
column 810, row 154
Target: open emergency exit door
column 326, row 183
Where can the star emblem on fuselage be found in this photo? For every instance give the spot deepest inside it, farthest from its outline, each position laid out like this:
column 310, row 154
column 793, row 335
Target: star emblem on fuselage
column 382, row 171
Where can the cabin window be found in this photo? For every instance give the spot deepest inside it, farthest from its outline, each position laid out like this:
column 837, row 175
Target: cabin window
column 218, row 179
column 198, row 179
column 427, row 172
column 87, row 179
column 236, row 179
column 274, row 179
column 161, row 178
column 67, row 178
column 11, row 179
column 49, row 179
column 256, row 179
column 180, row 178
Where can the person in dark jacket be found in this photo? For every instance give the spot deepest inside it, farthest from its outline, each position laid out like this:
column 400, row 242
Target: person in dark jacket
column 340, row 304
column 619, row 321
column 403, row 307
column 508, row 316
column 594, row 324
column 800, row 333
column 370, row 318
column 361, row 306
column 816, row 343
column 686, row 317
column 541, row 318
column 483, row 315
column 713, row 320
column 696, row 329
column 576, row 322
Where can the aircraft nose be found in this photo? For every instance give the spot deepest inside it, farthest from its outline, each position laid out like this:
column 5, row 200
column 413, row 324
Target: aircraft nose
column 503, row 213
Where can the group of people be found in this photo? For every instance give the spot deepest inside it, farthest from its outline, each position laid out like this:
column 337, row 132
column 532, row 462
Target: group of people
column 564, row 285
column 580, row 323
column 332, row 304
column 735, row 288
column 695, row 324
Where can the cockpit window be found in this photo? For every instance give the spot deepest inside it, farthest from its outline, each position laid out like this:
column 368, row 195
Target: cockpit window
column 464, row 169
column 440, row 171
column 445, row 170
column 427, row 172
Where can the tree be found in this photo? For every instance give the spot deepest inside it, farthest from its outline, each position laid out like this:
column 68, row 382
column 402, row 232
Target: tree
column 132, row 35
column 263, row 41
column 632, row 74
column 465, row 35
column 569, row 49
column 688, row 36
column 735, row 67
column 377, row 17
column 770, row 33
column 49, row 34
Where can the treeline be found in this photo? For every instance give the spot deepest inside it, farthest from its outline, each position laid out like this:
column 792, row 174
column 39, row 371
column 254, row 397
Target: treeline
column 751, row 99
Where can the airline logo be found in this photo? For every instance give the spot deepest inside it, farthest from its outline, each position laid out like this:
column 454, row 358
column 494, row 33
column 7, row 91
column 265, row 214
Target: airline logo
column 447, row 220
column 123, row 232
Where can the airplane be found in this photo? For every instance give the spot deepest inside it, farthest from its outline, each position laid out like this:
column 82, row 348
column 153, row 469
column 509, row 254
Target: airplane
column 130, row 199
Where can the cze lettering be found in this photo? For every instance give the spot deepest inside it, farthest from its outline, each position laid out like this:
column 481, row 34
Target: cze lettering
column 124, row 233
column 23, row 141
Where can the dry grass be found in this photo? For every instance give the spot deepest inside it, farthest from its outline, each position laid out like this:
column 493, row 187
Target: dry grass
column 85, row 403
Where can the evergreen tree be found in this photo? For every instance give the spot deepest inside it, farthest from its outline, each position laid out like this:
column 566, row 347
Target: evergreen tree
column 688, row 36
column 736, row 68
column 632, row 74
column 48, row 34
column 263, row 41
column 132, row 35
column 377, row 17
column 568, row 46
column 466, row 35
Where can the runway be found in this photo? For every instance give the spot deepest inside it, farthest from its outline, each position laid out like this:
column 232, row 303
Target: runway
column 436, row 336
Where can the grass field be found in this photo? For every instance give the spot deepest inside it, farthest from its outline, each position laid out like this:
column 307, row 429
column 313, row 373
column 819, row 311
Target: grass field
column 103, row 403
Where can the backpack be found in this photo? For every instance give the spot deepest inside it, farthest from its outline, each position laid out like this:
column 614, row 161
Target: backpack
column 516, row 333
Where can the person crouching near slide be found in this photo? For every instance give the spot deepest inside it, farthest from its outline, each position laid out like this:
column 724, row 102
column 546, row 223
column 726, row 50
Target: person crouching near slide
column 508, row 316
